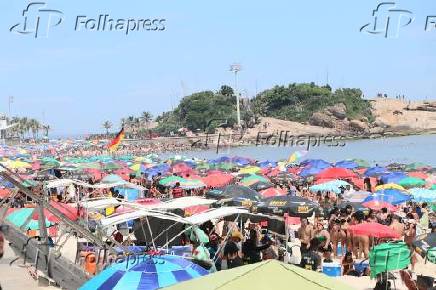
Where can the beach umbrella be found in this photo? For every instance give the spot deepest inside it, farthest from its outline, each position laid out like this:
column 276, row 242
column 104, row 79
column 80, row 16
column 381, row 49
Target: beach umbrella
column 418, row 174
column 388, row 257
column 241, row 161
column 250, row 170
column 270, row 274
column 361, row 163
column 356, row 196
column 310, row 171
column 375, row 230
column 109, row 166
column 296, row 156
column 261, row 185
column 417, row 166
column 171, row 180
column 389, row 186
column 19, row 216
column 392, row 196
column 251, row 179
column 226, row 166
column 294, row 206
column 234, row 191
column 192, row 184
column 67, row 210
column 218, row 179
column 267, row 163
column 270, row 192
column 423, row 195
column 393, row 177
column 375, row 171
column 146, row 273
column 378, row 205
column 317, row 163
column 335, row 173
column 17, row 164
column 348, row 164
column 332, row 186
column 112, row 178
column 433, row 187
column 4, row 193
column 410, row 182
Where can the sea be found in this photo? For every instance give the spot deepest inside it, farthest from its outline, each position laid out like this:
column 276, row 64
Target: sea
column 381, row 151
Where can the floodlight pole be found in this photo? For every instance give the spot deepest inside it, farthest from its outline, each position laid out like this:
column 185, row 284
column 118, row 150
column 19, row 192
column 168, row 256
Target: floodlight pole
column 235, row 68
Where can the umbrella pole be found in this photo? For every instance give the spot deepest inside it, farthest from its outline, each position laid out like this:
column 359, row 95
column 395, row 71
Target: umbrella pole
column 43, row 234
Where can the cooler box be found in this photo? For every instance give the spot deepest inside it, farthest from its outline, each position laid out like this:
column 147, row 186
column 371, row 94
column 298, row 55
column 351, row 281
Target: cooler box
column 360, row 266
column 332, row 269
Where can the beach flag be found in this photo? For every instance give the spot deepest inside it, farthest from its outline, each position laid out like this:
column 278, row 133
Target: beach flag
column 113, row 145
column 296, row 156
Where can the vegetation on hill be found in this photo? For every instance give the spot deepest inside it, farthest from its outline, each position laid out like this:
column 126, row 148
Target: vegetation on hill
column 207, row 110
column 297, row 102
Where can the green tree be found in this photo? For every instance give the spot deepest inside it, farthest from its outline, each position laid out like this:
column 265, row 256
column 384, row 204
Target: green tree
column 107, row 125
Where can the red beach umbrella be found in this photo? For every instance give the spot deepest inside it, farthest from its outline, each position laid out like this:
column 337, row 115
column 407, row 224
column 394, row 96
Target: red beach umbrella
column 375, row 230
column 217, row 179
column 378, row 205
column 269, row 192
column 336, row 173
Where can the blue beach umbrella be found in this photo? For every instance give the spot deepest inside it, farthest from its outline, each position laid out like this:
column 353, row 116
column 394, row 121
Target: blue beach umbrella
column 348, row 164
column 317, row 163
column 423, row 195
column 310, row 171
column 394, row 177
column 145, row 272
column 392, row 196
column 376, row 171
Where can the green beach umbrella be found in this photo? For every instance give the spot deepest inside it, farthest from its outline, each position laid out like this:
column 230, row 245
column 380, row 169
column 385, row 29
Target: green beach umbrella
column 111, row 166
column 388, row 257
column 171, row 180
column 270, row 274
column 410, row 182
column 253, row 179
column 417, row 166
column 361, row 162
column 19, row 217
column 433, row 187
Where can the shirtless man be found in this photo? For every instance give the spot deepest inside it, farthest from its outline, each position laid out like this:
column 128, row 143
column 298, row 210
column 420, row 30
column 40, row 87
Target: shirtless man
column 397, row 226
column 305, row 234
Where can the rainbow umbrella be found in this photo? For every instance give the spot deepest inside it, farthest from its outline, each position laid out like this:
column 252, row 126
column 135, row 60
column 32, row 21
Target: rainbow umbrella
column 296, row 156
column 249, row 180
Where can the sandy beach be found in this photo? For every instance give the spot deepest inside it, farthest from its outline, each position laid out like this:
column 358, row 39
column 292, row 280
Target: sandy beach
column 16, row 277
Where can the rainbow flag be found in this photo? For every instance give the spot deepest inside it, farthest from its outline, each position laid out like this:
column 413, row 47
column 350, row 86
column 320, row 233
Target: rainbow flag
column 113, row 145
column 297, row 155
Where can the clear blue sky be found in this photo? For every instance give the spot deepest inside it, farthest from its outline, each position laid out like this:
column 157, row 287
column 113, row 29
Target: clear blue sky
column 80, row 79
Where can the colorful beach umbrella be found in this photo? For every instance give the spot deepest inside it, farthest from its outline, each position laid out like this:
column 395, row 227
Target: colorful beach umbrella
column 19, row 216
column 270, row 192
column 335, row 173
column 378, row 205
column 375, row 230
column 296, row 156
column 423, row 195
column 388, row 257
column 145, row 273
column 392, row 196
column 389, row 186
column 375, row 171
column 410, row 182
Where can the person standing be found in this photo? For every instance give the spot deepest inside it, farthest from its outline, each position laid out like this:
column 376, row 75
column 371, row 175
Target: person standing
column 305, row 234
column 177, row 191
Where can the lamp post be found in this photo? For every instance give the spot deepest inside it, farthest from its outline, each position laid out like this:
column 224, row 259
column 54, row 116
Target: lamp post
column 235, row 68
column 10, row 101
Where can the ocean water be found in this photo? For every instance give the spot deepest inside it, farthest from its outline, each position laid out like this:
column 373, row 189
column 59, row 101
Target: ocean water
column 421, row 148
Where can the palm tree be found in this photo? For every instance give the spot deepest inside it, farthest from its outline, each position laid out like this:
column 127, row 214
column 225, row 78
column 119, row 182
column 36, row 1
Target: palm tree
column 46, row 128
column 107, row 125
column 34, row 127
column 146, row 117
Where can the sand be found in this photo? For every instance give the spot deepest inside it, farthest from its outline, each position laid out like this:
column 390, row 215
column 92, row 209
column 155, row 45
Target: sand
column 16, row 277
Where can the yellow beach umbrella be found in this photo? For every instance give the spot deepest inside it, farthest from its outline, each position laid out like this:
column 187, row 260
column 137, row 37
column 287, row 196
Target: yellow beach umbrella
column 250, row 170
column 18, row 164
column 389, row 186
column 136, row 167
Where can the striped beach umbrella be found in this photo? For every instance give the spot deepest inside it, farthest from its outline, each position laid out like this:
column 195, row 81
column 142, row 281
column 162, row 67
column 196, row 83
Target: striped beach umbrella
column 145, row 272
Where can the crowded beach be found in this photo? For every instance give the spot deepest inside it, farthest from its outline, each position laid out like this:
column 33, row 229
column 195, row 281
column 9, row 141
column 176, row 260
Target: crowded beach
column 230, row 222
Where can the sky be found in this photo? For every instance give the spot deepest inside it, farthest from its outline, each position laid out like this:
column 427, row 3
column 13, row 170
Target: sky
column 76, row 79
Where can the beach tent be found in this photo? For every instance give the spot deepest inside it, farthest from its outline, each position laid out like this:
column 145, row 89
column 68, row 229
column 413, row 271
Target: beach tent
column 270, row 274
column 388, row 257
column 146, row 273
